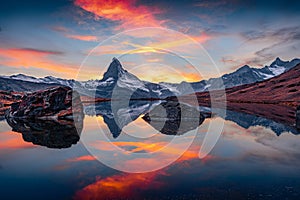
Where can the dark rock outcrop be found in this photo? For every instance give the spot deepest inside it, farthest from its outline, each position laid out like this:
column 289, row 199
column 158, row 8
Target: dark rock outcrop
column 53, row 103
column 48, row 133
column 174, row 118
column 7, row 98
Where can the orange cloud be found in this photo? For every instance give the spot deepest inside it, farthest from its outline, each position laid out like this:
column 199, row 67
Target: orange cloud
column 141, row 146
column 35, row 58
column 124, row 185
column 120, row 186
column 12, row 140
column 163, row 155
column 36, row 51
column 202, row 38
column 165, row 73
column 89, row 38
column 191, row 77
column 158, row 146
column 127, row 13
column 82, row 158
column 67, row 33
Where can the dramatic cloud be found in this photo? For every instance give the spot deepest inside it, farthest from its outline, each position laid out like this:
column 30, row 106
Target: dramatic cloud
column 127, row 13
column 122, row 186
column 33, row 58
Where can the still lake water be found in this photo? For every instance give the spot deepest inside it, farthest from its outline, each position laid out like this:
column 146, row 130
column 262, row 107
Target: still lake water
column 255, row 158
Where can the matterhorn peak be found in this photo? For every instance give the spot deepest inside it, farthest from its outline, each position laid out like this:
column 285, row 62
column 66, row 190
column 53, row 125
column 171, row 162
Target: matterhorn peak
column 115, row 70
column 116, row 60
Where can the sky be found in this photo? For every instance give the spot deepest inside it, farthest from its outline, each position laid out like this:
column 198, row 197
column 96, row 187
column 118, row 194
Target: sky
column 156, row 40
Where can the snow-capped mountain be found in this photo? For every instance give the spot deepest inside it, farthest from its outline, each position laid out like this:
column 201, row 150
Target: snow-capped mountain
column 123, row 83
column 243, row 75
column 47, row 79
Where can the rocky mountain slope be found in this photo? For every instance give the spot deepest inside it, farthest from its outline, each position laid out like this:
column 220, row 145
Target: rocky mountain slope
column 242, row 76
column 275, row 98
column 283, row 88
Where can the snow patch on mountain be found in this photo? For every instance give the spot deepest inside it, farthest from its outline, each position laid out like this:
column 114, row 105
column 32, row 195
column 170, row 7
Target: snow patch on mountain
column 132, row 82
column 277, row 70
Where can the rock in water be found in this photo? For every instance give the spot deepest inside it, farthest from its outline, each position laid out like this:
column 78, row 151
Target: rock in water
column 298, row 118
column 174, row 118
column 53, row 103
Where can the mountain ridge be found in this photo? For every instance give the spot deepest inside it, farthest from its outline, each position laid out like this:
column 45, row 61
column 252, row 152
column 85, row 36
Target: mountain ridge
column 275, row 98
column 117, row 75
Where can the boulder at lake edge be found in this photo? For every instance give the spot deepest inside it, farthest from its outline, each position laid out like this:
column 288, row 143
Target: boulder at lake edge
column 174, row 118
column 59, row 102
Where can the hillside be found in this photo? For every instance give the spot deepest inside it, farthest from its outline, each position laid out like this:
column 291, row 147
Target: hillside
column 275, row 98
column 282, row 89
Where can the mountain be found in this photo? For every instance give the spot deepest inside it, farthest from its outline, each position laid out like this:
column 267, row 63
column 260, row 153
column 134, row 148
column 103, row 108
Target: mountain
column 118, row 80
column 242, row 76
column 127, row 83
column 18, row 85
column 275, row 98
column 119, row 83
column 285, row 87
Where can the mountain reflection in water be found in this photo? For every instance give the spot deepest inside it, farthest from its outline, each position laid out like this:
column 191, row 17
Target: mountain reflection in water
column 154, row 113
column 248, row 162
column 167, row 117
column 170, row 118
column 119, row 115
